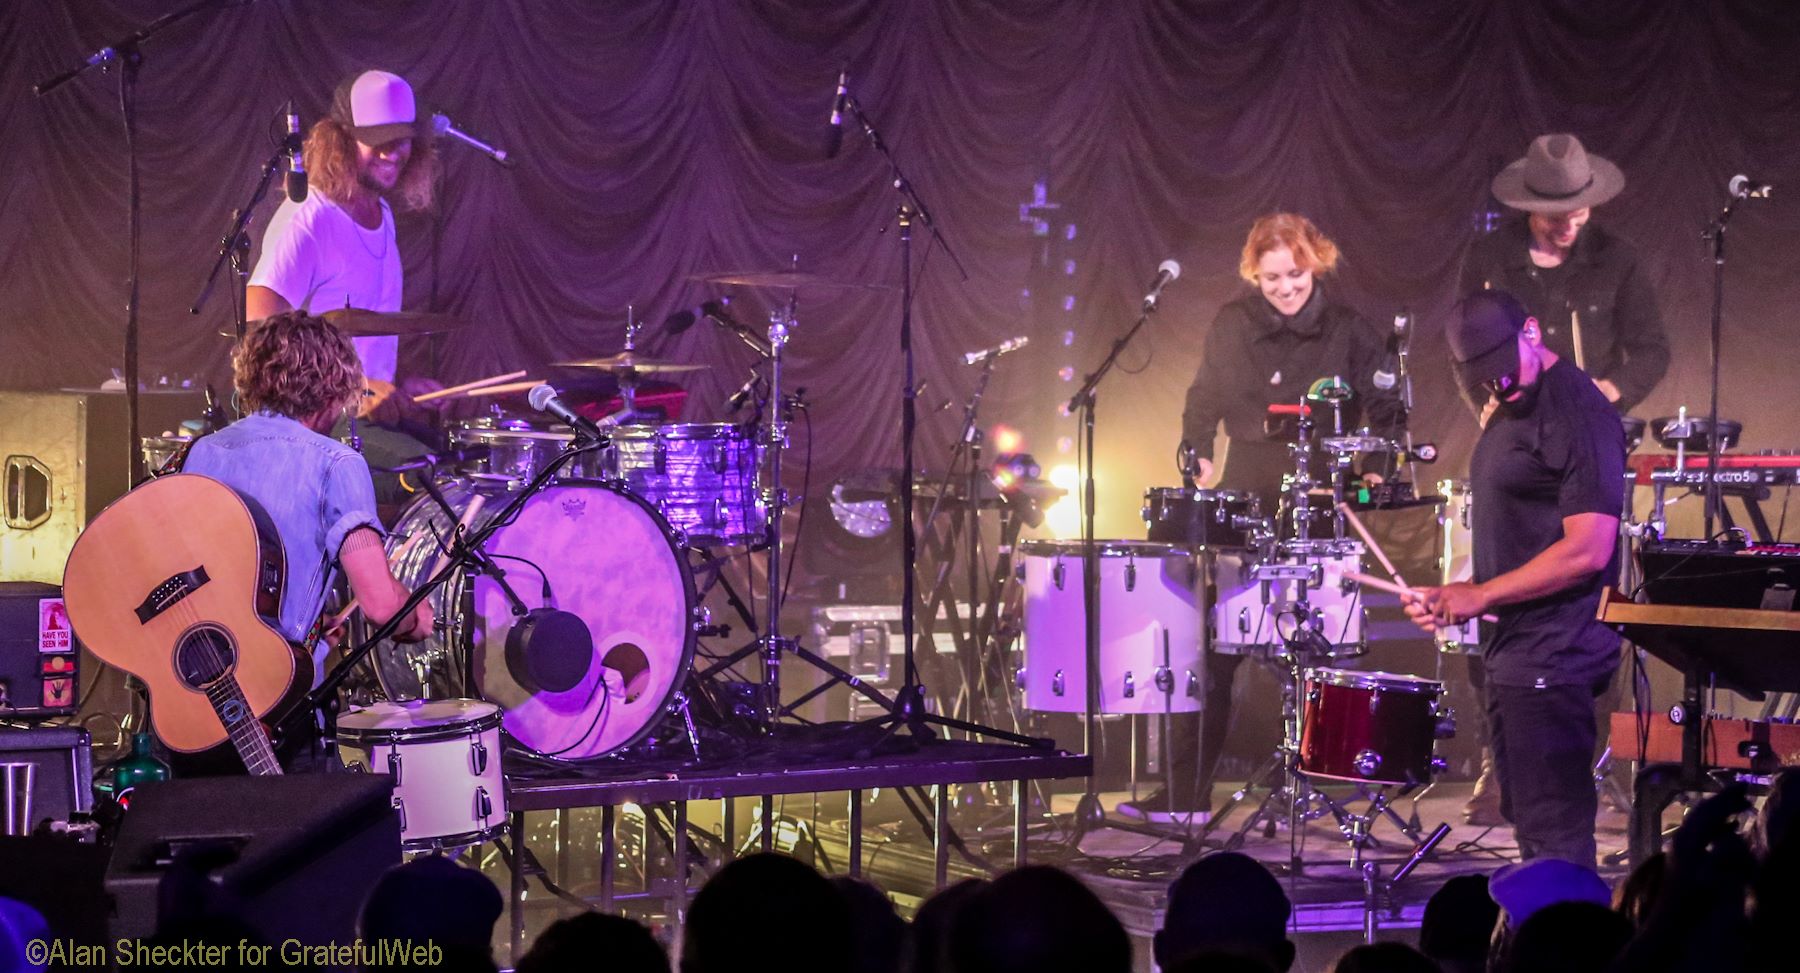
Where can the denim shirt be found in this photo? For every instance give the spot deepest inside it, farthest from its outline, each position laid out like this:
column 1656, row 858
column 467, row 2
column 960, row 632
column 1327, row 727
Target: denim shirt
column 315, row 490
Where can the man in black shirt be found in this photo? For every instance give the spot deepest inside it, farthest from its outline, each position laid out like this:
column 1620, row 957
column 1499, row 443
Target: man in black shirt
column 1549, row 469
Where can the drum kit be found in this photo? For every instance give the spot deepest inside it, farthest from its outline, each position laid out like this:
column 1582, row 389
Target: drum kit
column 1217, row 574
column 562, row 570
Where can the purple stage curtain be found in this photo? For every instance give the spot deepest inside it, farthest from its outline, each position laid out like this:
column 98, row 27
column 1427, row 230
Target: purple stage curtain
column 660, row 139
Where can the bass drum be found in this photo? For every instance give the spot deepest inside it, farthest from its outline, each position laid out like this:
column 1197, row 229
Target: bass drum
column 607, row 558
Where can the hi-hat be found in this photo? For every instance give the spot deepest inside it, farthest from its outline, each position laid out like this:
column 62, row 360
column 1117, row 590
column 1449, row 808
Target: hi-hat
column 784, row 280
column 631, row 361
column 358, row 323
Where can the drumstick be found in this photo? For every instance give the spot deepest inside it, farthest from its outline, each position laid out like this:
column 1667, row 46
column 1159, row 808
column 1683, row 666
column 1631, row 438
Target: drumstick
column 1369, row 539
column 1394, row 589
column 506, row 389
column 466, row 386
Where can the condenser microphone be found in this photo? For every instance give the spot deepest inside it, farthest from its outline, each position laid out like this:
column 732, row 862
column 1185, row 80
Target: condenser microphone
column 1167, row 271
column 544, row 399
column 834, row 141
column 296, row 174
column 989, row 354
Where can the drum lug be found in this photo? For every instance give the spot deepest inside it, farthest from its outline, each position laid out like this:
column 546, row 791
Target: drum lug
column 1438, row 765
column 1057, row 575
column 1374, row 702
column 1367, row 762
column 1165, row 680
column 394, row 765
column 1019, row 571
column 1056, row 683
column 1243, row 621
column 400, row 812
column 1130, row 574
column 1130, row 685
column 661, row 452
column 478, row 757
column 1193, row 685
column 1446, row 723
column 1019, row 677
column 484, row 805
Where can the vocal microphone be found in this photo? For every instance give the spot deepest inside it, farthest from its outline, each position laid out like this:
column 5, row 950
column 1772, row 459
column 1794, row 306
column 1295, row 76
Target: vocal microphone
column 989, row 354
column 544, row 399
column 1743, row 187
column 442, row 125
column 1167, row 271
column 835, row 140
column 1387, row 374
column 296, row 174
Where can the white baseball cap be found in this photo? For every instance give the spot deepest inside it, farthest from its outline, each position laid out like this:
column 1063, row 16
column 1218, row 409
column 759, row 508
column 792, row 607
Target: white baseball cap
column 376, row 106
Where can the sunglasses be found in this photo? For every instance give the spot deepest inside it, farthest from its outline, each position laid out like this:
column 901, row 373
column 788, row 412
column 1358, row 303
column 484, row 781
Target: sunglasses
column 1503, row 386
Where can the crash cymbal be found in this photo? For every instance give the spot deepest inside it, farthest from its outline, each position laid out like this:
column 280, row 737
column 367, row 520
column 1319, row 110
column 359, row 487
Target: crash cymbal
column 358, row 323
column 631, row 361
column 784, row 280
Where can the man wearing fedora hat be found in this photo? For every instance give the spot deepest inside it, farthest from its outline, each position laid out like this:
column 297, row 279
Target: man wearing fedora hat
column 1584, row 284
column 1549, row 468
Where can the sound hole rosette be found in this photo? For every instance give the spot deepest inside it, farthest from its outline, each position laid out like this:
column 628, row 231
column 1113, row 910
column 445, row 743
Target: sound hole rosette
column 610, row 559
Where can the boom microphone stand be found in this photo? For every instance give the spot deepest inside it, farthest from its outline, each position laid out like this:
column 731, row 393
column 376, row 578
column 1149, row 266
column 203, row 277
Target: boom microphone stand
column 909, row 699
column 129, row 55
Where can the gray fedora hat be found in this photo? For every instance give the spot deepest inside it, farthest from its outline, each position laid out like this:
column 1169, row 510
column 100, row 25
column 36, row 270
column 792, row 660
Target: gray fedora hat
column 1557, row 175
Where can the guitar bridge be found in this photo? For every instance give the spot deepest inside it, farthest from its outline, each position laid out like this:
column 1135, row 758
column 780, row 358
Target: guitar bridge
column 166, row 595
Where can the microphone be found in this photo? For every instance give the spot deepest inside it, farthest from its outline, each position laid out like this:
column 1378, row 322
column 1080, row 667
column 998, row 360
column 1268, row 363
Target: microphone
column 1167, row 271
column 296, row 174
column 743, row 393
column 1743, row 187
column 442, row 125
column 989, row 354
column 543, row 398
column 1387, row 374
column 719, row 311
column 835, row 140
column 419, row 462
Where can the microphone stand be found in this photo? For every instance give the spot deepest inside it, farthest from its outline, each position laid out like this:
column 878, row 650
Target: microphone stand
column 234, row 248
column 129, row 55
column 1715, row 234
column 909, row 700
column 1089, row 814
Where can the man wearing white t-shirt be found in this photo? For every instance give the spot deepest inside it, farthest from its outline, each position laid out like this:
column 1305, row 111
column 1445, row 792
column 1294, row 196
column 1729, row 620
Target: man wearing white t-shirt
column 337, row 248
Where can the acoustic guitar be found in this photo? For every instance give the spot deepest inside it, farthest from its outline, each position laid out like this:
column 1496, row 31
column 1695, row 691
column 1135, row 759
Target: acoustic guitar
column 179, row 583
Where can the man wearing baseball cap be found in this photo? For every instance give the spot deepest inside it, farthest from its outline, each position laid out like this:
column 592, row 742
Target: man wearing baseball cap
column 337, row 248
column 1550, row 468
column 1583, row 283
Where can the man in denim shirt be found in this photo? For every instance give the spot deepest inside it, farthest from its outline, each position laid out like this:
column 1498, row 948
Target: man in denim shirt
column 297, row 374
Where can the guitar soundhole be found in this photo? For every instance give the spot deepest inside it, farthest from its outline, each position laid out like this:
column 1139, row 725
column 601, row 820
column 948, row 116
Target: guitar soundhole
column 205, row 654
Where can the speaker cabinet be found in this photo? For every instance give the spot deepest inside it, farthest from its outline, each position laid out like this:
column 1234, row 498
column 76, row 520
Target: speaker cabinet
column 294, row 856
column 63, row 458
column 62, row 775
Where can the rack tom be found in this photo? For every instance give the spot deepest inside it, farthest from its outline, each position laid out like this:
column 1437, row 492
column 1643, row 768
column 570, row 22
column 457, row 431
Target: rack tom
column 1196, row 518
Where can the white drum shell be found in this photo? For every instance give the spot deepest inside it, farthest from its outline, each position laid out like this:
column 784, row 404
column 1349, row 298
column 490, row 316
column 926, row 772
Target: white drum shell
column 1149, row 629
column 1457, row 561
column 1250, row 617
column 445, row 758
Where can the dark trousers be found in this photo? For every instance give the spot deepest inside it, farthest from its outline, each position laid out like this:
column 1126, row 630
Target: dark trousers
column 1543, row 740
column 1191, row 766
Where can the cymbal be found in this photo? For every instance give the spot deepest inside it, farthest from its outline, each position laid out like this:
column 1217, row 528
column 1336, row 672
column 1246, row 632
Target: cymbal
column 358, row 323
column 784, row 279
column 630, row 361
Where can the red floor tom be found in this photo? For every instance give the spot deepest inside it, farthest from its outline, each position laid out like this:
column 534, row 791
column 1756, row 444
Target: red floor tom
column 1369, row 727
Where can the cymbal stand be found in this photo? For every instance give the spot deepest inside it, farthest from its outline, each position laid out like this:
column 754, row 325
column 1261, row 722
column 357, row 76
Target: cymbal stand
column 908, row 711
column 774, row 435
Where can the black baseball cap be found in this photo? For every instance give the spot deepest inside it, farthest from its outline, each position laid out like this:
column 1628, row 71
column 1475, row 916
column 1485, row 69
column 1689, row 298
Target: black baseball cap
column 1484, row 336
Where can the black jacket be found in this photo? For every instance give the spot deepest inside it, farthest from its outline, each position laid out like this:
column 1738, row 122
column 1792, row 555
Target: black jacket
column 1250, row 344
column 1622, row 338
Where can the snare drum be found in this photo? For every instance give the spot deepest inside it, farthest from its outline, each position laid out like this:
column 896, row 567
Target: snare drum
column 1149, row 628
column 1369, row 727
column 702, row 476
column 1201, row 518
column 513, row 451
column 1456, row 561
column 445, row 758
column 1257, row 607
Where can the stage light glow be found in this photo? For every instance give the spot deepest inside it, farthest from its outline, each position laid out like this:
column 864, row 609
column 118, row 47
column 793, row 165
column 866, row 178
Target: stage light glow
column 1007, row 439
column 1062, row 517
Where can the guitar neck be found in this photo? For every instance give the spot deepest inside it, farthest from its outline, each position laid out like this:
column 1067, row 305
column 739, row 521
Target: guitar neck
column 247, row 733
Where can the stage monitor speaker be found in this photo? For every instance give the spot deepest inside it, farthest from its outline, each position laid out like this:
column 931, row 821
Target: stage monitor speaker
column 294, row 856
column 62, row 460
column 64, row 880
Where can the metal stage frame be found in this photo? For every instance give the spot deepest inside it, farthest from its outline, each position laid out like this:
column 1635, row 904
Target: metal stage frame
column 936, row 764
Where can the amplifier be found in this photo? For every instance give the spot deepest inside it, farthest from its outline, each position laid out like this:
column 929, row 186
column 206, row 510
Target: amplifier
column 61, row 760
column 62, row 460
column 39, row 657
